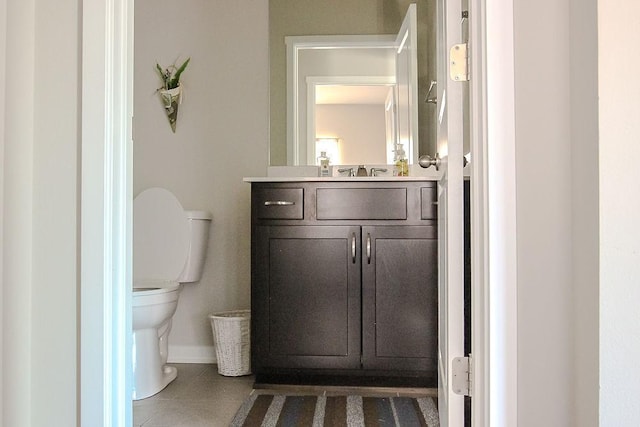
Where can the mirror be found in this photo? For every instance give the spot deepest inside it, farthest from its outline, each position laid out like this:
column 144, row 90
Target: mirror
column 294, row 20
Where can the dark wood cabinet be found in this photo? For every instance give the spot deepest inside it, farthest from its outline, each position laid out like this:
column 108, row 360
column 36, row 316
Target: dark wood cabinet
column 306, row 297
column 344, row 281
column 399, row 298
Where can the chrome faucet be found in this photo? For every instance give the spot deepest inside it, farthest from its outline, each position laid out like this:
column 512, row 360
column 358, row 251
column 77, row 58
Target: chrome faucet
column 362, row 171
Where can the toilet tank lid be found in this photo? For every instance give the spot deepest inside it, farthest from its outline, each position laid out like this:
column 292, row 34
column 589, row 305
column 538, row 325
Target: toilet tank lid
column 199, row 215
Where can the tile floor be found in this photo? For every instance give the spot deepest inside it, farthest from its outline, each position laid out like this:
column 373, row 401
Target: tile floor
column 199, row 397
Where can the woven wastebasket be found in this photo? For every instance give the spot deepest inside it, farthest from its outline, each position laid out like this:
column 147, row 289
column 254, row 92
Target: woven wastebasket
column 232, row 336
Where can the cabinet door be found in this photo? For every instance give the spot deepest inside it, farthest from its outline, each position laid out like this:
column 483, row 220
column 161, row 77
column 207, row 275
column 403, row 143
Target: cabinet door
column 399, row 298
column 306, row 297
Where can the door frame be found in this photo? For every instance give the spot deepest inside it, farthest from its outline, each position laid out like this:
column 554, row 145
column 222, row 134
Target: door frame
column 107, row 64
column 106, row 338
column 493, row 214
column 3, row 85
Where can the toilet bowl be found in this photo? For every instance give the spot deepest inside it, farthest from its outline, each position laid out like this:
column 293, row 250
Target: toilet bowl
column 167, row 250
column 153, row 309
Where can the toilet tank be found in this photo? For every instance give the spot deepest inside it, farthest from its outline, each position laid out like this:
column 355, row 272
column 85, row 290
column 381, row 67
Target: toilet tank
column 199, row 223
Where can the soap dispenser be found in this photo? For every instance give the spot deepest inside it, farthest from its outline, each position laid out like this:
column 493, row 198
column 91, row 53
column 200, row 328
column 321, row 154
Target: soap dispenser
column 323, row 162
column 402, row 164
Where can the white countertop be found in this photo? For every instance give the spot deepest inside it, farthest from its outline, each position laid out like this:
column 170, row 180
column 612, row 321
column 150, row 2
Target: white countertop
column 310, row 174
column 339, row 178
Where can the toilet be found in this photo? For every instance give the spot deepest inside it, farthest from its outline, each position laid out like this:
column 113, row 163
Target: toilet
column 169, row 248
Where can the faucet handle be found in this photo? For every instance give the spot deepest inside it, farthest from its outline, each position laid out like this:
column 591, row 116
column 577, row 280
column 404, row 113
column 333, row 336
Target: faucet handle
column 350, row 170
column 374, row 171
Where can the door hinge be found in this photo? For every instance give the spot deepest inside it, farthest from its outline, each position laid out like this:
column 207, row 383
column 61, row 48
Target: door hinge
column 459, row 63
column 461, row 381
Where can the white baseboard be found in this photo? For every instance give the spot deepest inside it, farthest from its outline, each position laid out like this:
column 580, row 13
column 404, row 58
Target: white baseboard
column 192, row 354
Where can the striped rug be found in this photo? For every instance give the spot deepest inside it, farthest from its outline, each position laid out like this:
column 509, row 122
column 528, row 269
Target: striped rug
column 268, row 410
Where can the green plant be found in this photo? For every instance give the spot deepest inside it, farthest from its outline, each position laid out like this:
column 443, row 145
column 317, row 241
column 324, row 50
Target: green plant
column 171, row 75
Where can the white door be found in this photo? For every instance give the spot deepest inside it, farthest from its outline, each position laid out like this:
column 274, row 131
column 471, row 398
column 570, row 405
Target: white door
column 450, row 134
column 407, row 84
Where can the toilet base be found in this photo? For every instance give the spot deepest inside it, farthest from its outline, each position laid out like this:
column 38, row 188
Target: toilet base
column 150, row 374
column 169, row 373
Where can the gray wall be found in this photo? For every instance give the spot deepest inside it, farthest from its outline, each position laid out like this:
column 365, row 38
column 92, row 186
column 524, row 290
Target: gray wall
column 585, row 200
column 40, row 213
column 557, row 205
column 543, row 205
column 17, row 215
column 221, row 137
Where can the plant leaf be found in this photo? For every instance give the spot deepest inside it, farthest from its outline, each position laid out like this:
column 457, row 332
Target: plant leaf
column 162, row 76
column 173, row 83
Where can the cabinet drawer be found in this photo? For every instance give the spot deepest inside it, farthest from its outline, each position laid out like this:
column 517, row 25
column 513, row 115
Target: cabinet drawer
column 361, row 203
column 429, row 203
column 279, row 203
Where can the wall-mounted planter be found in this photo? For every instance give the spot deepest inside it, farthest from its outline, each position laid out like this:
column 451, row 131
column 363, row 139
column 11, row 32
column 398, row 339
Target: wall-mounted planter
column 171, row 98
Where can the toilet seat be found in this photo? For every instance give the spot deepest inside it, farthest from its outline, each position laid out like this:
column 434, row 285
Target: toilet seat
column 154, row 292
column 160, row 237
column 154, row 296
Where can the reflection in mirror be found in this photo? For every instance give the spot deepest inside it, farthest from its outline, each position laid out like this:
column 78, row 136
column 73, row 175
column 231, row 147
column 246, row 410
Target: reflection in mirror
column 347, row 17
column 343, row 67
column 354, row 124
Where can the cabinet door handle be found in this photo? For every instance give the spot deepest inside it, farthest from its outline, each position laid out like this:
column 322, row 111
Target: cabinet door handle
column 278, row 203
column 368, row 248
column 353, row 247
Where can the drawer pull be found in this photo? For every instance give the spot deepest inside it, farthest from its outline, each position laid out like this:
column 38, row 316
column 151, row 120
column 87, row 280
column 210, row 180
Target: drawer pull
column 353, row 247
column 279, row 203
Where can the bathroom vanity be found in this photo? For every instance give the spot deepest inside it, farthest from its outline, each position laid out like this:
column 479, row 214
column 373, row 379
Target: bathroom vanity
column 344, row 281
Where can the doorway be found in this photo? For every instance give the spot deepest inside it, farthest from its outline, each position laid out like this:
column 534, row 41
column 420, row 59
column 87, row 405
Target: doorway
column 104, row 393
